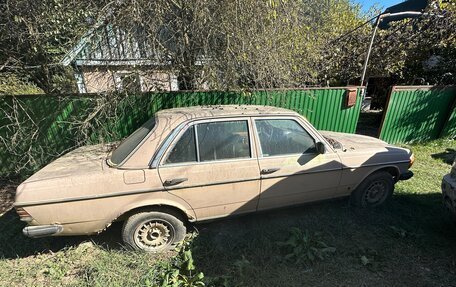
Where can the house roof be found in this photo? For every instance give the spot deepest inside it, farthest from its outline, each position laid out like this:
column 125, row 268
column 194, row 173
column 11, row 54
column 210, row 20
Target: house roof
column 105, row 44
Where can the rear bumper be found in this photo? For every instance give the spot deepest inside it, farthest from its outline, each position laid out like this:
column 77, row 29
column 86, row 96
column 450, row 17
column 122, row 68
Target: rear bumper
column 42, row 230
column 406, row 175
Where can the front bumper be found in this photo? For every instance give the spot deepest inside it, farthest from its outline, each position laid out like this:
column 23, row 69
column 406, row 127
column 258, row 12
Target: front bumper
column 42, row 230
column 449, row 187
column 406, row 175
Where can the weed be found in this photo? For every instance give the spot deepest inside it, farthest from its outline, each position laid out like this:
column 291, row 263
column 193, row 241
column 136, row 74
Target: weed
column 303, row 247
column 180, row 271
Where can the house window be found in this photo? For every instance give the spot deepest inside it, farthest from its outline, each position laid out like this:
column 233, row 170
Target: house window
column 128, row 82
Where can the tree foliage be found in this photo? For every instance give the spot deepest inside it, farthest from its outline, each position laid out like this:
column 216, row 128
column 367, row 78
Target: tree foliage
column 233, row 44
column 35, row 34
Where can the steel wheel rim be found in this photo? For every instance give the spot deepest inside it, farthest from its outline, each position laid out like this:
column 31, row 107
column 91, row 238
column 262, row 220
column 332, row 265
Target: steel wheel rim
column 375, row 193
column 154, row 235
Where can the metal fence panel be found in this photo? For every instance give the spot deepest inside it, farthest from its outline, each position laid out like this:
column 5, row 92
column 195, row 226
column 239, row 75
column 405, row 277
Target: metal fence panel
column 38, row 129
column 449, row 129
column 416, row 113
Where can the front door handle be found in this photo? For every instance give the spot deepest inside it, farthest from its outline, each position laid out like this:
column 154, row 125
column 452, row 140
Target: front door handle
column 269, row 170
column 174, row 181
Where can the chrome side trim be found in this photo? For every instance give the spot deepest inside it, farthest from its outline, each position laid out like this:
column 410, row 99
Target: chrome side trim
column 301, row 173
column 88, row 197
column 376, row 164
column 169, row 165
column 214, row 183
column 195, row 136
column 126, row 193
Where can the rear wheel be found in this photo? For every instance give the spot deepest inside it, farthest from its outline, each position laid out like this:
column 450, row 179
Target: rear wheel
column 153, row 231
column 375, row 190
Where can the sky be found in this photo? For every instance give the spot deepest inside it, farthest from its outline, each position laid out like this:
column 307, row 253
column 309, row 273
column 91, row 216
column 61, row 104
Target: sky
column 366, row 4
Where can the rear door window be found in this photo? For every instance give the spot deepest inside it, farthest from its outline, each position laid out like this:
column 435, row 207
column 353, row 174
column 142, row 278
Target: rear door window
column 212, row 141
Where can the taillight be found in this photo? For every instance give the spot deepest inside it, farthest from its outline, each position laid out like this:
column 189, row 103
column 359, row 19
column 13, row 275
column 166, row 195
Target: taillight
column 23, row 215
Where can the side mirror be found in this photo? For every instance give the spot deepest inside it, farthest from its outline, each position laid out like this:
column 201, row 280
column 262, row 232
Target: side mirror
column 320, row 147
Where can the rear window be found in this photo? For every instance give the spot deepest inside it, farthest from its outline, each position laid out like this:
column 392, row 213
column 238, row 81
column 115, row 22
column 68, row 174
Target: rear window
column 130, row 143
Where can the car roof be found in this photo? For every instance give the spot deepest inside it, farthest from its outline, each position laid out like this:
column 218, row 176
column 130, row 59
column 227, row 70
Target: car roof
column 223, row 111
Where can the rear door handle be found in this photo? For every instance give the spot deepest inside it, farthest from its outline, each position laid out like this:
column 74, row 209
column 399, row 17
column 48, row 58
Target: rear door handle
column 269, row 170
column 175, row 181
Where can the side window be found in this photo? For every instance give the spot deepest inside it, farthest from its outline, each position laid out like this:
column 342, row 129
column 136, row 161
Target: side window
column 185, row 148
column 223, row 140
column 282, row 137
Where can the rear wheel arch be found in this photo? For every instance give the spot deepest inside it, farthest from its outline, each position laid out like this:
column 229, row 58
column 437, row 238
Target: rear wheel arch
column 153, row 230
column 163, row 208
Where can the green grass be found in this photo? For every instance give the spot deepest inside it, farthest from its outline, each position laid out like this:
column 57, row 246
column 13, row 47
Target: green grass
column 410, row 241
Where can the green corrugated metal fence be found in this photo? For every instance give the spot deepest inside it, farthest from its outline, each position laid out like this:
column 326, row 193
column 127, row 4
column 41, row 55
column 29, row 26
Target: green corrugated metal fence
column 37, row 129
column 418, row 113
column 449, row 129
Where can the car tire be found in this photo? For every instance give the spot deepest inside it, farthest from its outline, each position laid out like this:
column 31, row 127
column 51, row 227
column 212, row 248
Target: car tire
column 375, row 190
column 153, row 231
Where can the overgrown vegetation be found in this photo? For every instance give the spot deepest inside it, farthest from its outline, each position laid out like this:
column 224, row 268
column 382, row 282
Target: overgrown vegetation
column 242, row 44
column 11, row 84
column 410, row 241
column 303, row 247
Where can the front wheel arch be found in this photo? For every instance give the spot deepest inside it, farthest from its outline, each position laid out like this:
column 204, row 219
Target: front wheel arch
column 391, row 169
column 380, row 184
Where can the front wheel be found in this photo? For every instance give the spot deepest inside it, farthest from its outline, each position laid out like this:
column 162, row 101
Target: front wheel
column 375, row 190
column 153, row 231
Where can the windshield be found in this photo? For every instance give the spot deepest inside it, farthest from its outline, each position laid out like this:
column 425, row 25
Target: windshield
column 130, row 143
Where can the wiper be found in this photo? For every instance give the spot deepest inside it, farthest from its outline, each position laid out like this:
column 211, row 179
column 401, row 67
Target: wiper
column 111, row 146
column 335, row 144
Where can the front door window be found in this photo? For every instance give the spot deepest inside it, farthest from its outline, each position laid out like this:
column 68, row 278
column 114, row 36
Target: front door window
column 283, row 137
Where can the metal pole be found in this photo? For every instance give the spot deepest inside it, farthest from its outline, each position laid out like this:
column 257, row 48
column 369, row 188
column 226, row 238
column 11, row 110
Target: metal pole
column 377, row 22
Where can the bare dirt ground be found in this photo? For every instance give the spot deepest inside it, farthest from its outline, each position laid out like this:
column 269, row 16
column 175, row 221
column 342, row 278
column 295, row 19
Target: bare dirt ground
column 7, row 191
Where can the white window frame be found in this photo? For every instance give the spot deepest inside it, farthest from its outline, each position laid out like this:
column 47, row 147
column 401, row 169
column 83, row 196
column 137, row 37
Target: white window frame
column 118, row 79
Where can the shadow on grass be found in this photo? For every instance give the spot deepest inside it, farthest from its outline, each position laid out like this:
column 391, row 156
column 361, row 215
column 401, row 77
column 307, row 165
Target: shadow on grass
column 447, row 156
column 410, row 232
column 14, row 244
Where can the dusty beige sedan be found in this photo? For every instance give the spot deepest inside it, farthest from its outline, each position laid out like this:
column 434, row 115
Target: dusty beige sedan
column 194, row 164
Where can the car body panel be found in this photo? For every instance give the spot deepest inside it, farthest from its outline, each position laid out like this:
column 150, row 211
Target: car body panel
column 449, row 191
column 84, row 192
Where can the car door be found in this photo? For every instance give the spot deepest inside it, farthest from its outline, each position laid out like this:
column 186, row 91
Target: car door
column 213, row 166
column 292, row 171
